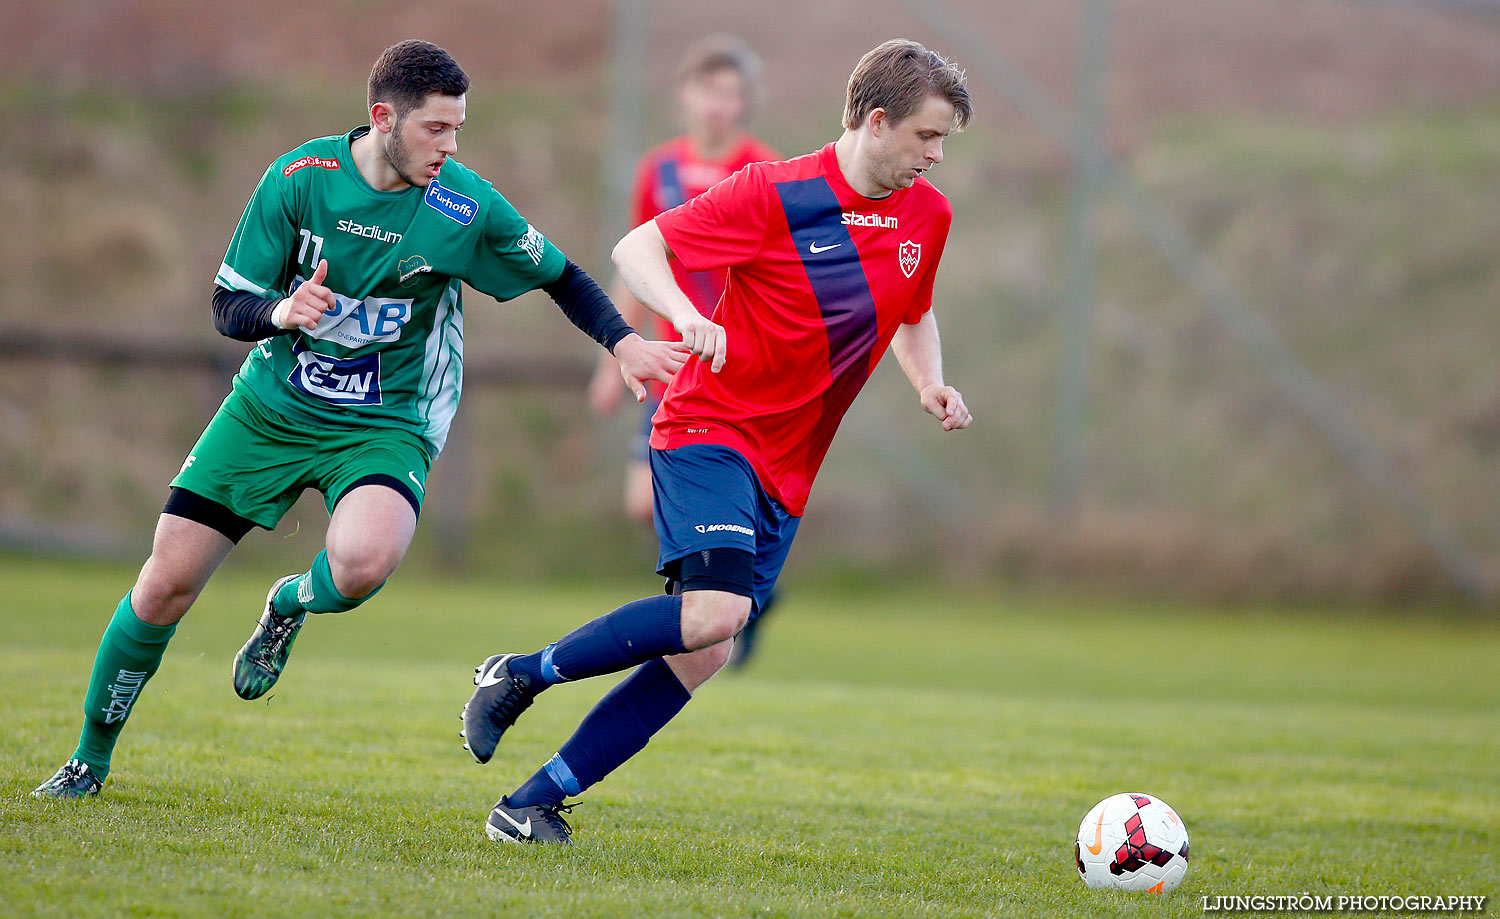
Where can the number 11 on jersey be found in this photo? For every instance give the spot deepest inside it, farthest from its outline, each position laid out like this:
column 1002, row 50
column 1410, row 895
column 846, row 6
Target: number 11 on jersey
column 317, row 247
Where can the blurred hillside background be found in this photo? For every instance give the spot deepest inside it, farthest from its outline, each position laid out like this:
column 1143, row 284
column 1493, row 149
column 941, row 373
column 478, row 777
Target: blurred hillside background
column 1246, row 351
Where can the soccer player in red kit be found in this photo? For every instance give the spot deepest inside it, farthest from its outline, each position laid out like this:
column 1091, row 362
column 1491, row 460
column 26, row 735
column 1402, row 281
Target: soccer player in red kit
column 831, row 258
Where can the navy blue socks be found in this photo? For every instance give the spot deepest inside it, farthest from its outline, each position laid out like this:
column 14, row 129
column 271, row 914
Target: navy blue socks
column 616, row 729
column 633, row 634
column 619, row 726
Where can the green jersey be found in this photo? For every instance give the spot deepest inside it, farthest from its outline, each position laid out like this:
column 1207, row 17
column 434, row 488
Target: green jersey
column 390, row 353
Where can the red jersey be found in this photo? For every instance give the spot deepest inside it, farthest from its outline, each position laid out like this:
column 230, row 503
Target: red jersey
column 819, row 279
column 673, row 173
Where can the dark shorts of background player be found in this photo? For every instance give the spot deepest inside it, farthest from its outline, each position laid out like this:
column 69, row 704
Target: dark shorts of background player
column 640, row 444
column 251, row 463
column 708, row 497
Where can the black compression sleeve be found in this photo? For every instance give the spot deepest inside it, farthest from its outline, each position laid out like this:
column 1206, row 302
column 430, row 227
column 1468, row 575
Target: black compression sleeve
column 242, row 316
column 586, row 305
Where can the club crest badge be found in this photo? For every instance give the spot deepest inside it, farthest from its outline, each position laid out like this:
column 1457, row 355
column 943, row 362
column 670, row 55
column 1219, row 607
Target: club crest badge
column 409, row 268
column 911, row 255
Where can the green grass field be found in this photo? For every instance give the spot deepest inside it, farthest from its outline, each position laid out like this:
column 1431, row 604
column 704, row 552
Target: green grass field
column 897, row 753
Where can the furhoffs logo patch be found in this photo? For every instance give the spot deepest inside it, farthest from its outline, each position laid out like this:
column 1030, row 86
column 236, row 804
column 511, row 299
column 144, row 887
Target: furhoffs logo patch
column 451, row 204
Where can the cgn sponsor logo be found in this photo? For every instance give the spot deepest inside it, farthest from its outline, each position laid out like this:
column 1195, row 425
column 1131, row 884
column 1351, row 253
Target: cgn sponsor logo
column 294, row 165
column 338, row 380
column 450, row 203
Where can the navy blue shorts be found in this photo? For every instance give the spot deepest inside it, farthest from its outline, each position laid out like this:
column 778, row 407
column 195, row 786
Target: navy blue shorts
column 708, row 497
column 640, row 444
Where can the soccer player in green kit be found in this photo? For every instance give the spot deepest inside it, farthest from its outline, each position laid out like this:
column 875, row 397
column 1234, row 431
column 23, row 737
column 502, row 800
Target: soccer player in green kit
column 346, row 270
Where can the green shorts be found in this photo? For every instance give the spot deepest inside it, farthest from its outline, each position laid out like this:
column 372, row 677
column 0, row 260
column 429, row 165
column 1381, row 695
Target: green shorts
column 256, row 462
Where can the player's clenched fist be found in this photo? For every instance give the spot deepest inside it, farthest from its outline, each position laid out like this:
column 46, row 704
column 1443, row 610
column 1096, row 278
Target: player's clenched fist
column 947, row 405
column 307, row 304
column 704, row 338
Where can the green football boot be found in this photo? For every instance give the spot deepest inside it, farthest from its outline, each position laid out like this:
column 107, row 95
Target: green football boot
column 259, row 663
column 73, row 780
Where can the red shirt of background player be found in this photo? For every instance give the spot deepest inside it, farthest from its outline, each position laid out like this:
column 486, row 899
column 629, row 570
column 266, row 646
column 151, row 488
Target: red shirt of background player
column 818, row 279
column 672, row 173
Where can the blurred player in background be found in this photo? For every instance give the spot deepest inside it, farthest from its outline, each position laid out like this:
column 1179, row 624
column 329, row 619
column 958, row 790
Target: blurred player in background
column 718, row 85
column 346, row 270
column 831, row 259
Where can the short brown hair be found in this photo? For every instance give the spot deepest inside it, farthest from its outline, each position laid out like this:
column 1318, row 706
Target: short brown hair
column 898, row 76
column 409, row 71
column 712, row 53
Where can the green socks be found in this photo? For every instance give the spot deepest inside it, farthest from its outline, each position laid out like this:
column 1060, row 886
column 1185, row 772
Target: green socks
column 314, row 592
column 131, row 650
column 128, row 655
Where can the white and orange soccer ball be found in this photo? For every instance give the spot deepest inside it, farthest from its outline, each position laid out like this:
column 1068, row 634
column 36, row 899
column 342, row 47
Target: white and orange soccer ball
column 1132, row 841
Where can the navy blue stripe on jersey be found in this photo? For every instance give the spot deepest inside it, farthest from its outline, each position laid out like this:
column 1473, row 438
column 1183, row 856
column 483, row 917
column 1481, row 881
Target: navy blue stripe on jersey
column 669, row 194
column 703, row 295
column 669, row 191
column 838, row 280
column 828, row 254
